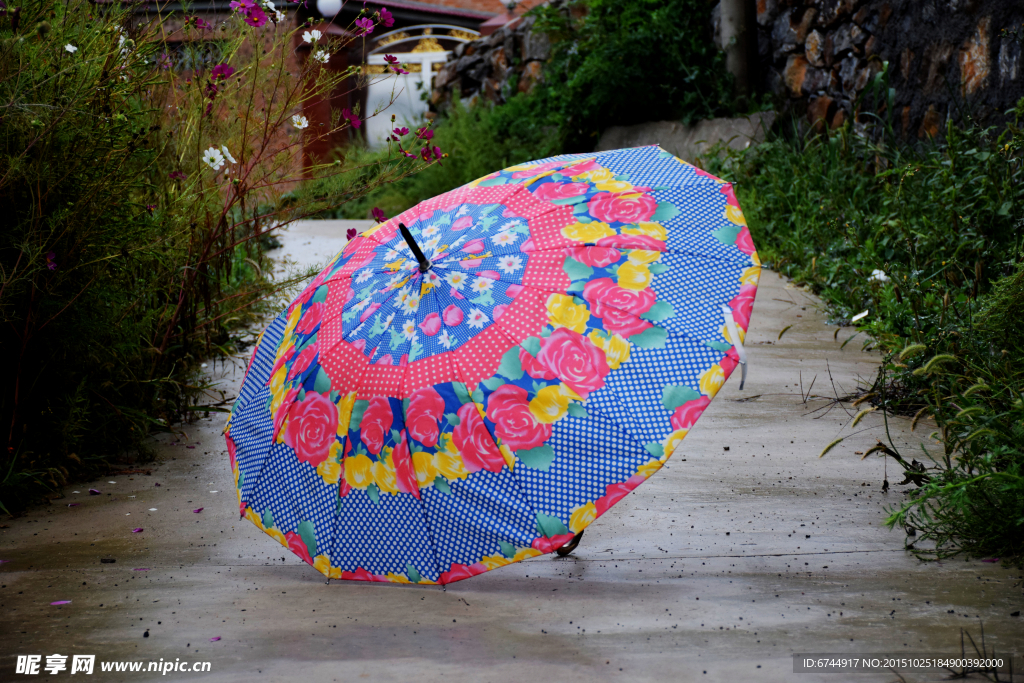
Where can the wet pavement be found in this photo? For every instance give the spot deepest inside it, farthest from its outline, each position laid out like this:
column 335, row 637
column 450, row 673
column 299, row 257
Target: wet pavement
column 743, row 550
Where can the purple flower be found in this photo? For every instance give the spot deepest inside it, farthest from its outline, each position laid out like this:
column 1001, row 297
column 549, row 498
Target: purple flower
column 386, row 18
column 163, row 61
column 150, row 207
column 365, row 24
column 50, row 262
column 222, row 72
column 378, row 215
column 177, row 175
column 401, row 131
column 424, row 134
column 391, row 59
column 242, row 5
column 255, row 16
column 352, row 118
column 350, row 233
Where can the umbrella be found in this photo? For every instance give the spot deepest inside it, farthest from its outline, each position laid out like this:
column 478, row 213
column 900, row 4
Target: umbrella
column 478, row 379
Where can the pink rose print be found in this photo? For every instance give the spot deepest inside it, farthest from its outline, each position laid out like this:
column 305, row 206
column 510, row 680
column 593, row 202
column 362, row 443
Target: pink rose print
column 298, row 546
column 283, row 360
column 312, row 426
column 231, row 449
column 462, row 223
column 311, row 318
column 619, row 308
column 743, row 304
column 509, row 409
column 730, row 195
column 744, row 243
column 613, row 493
column 308, row 293
column 282, row 413
column 552, row 191
column 473, row 246
column 452, row 316
column 431, row 324
column 622, row 207
column 304, row 360
column 426, row 408
column 597, row 257
column 550, row 545
column 458, row 572
column 376, row 423
column 474, row 442
column 575, row 360
column 581, row 168
column 631, row 242
column 405, row 475
column 537, row 170
column 729, row 361
column 533, row 367
column 370, row 310
column 361, row 574
column 685, row 416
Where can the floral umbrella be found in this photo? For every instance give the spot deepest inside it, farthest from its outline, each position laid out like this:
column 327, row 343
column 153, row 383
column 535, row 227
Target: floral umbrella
column 424, row 422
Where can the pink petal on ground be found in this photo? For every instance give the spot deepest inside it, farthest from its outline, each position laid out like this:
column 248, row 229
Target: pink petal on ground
column 991, row 559
column 214, row 639
column 94, row 492
column 198, row 510
column 156, row 484
column 189, row 446
column 61, row 602
column 137, row 530
column 71, row 505
column 2, row 561
column 141, row 569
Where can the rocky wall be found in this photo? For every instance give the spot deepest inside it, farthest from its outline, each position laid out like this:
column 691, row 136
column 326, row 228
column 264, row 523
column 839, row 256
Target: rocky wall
column 946, row 59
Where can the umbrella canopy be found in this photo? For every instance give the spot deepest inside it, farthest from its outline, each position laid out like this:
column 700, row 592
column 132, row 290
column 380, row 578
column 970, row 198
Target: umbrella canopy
column 425, row 423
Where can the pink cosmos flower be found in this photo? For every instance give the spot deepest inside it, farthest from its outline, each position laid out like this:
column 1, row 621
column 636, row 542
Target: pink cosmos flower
column 255, row 16
column 221, row 72
column 350, row 117
column 366, row 24
column 386, row 18
column 377, row 214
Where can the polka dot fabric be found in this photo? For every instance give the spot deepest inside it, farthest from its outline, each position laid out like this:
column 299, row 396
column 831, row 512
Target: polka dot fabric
column 424, row 427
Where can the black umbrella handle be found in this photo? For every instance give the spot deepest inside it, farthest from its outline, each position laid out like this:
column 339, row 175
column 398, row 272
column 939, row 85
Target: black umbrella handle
column 424, row 263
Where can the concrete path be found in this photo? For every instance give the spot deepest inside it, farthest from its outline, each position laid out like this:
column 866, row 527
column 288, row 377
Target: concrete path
column 738, row 554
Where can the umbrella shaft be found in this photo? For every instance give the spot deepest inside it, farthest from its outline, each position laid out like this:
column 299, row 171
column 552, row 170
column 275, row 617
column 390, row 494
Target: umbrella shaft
column 424, row 263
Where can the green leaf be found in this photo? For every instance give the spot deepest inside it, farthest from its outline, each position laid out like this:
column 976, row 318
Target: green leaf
column 652, row 338
column 477, row 395
column 302, row 394
column 655, row 449
column 320, row 296
column 405, row 406
column 492, row 182
column 373, row 493
column 241, row 479
column 718, row 346
column 453, row 419
column 577, row 286
column 657, row 268
column 576, row 270
column 322, row 385
column 727, row 233
column 666, row 212
column 661, row 310
column 550, row 526
column 510, row 366
column 579, row 208
column 308, row 534
column 461, row 392
column 576, row 410
column 1004, row 210
column 412, row 573
column 569, row 200
column 396, row 435
column 507, row 549
column 268, row 519
column 334, row 396
column 493, row 383
column 675, row 395
column 531, row 345
column 357, row 414
column 441, row 484
column 539, row 458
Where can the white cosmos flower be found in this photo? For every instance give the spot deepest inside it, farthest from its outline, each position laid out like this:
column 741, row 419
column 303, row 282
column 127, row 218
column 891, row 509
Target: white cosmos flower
column 482, row 284
column 300, row 122
column 477, row 318
column 510, row 264
column 879, row 275
column 444, row 339
column 278, row 16
column 364, row 275
column 311, row 36
column 322, row 56
column 71, row 48
column 457, row 280
column 213, row 158
column 227, row 154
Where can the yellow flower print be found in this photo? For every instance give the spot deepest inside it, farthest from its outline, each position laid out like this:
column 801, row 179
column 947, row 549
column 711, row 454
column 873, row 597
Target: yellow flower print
column 322, row 564
column 643, row 256
column 616, row 349
column 335, row 573
column 397, row 578
column 582, row 516
column 423, row 464
column 633, row 276
column 289, row 329
column 587, row 233
column 724, row 329
column 330, row 469
column 277, row 382
column 756, row 259
column 550, row 404
column 345, row 406
column 599, row 175
column 564, row 312
column 734, row 215
column 614, row 185
column 276, row 533
column 673, row 441
column 384, row 475
column 655, row 230
column 751, row 275
column 448, row 461
column 251, row 515
column 495, row 561
column 649, row 468
column 510, row 459
column 358, row 471
column 711, row 381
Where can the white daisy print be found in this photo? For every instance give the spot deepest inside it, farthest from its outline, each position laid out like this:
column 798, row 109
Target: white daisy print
column 396, row 279
column 462, row 211
column 482, row 284
column 410, row 303
column 510, row 264
column 477, row 319
column 432, row 242
column 360, row 305
column 391, row 254
column 409, row 330
column 364, row 275
column 444, row 339
column 387, row 320
column 457, row 280
column 432, row 230
column 504, row 238
column 433, row 278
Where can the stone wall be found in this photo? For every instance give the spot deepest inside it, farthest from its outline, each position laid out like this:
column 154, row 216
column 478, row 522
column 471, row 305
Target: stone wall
column 946, row 58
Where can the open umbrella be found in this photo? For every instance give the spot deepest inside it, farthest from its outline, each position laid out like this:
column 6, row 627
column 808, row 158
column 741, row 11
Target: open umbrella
column 475, row 381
